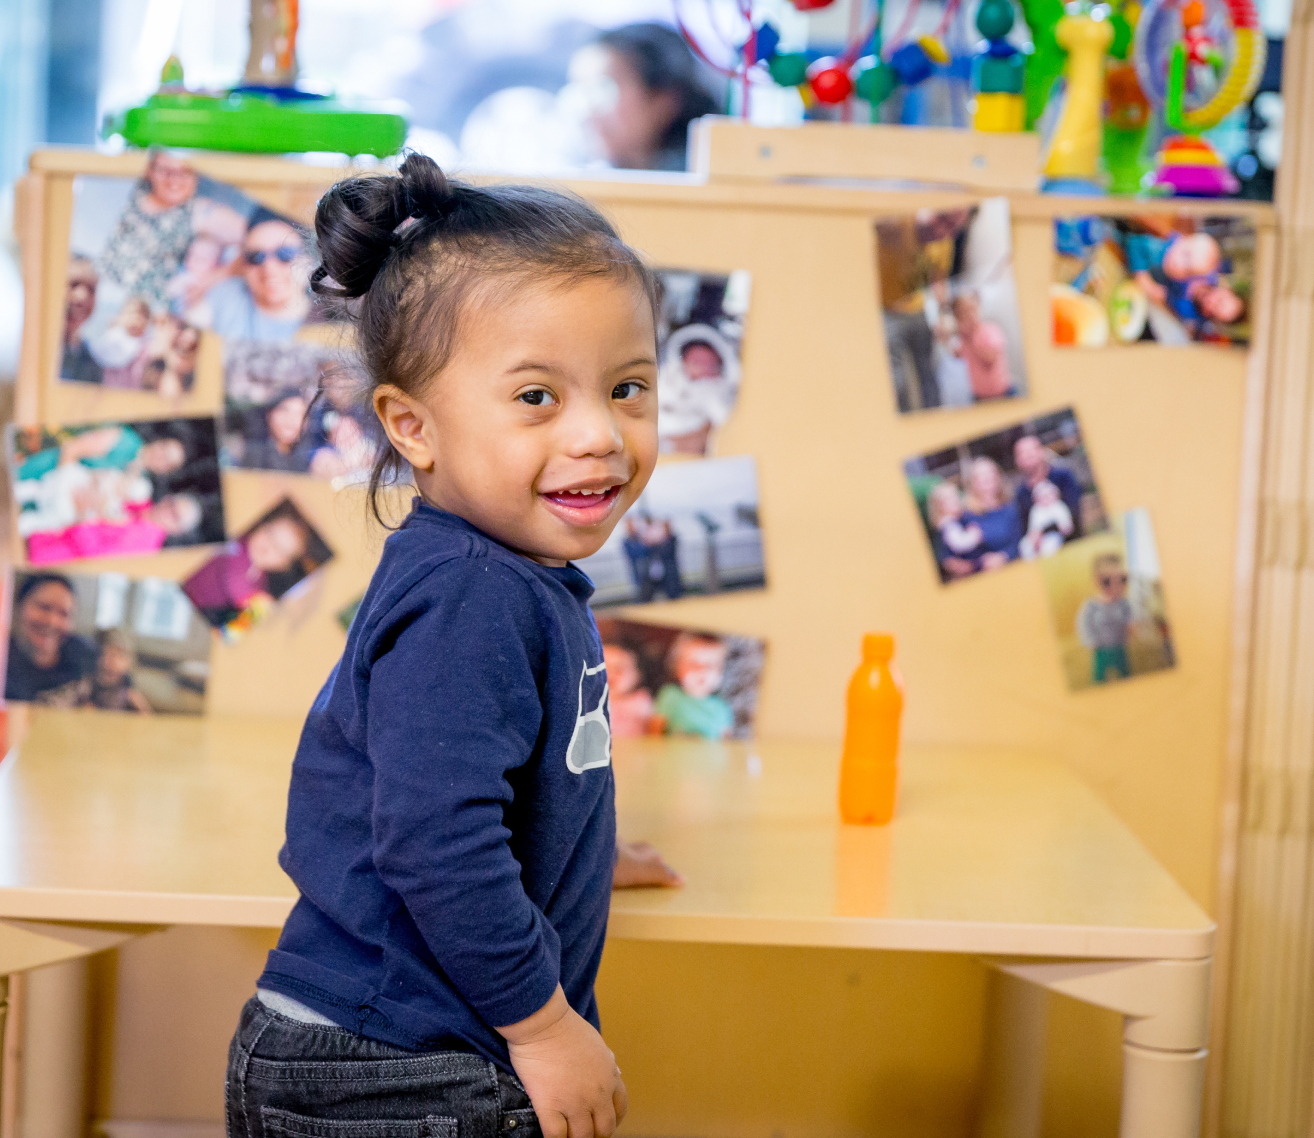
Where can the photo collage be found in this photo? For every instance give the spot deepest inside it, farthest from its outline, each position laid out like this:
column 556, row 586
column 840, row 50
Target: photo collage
column 155, row 264
column 1028, row 491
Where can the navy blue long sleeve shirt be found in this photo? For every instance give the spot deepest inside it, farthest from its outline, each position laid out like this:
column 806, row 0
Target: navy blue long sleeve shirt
column 451, row 818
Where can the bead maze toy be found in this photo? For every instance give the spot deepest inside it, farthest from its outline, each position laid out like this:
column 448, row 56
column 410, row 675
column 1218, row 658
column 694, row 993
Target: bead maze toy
column 267, row 113
column 1197, row 61
column 863, row 69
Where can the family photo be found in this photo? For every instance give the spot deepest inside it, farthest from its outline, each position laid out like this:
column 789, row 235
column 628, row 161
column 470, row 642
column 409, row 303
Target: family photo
column 155, row 261
column 1159, row 278
column 678, row 681
column 237, row 587
column 694, row 530
column 1106, row 599
column 700, row 332
column 1021, row 493
column 949, row 306
column 116, row 489
column 106, row 641
column 273, row 420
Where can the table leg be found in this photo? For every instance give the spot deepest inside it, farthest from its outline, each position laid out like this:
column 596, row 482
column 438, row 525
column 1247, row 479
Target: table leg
column 1014, row 1058
column 1165, row 1004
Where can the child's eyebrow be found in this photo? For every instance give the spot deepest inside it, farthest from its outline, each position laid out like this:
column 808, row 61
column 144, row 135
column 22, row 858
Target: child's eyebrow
column 554, row 369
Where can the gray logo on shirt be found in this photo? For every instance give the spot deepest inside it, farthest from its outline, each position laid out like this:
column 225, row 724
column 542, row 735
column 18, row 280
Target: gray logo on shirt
column 590, row 742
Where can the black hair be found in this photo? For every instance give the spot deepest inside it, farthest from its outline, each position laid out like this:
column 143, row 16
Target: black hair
column 34, row 581
column 663, row 62
column 403, row 255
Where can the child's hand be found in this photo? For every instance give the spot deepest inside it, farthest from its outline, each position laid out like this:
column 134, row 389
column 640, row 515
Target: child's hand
column 567, row 1070
column 638, row 864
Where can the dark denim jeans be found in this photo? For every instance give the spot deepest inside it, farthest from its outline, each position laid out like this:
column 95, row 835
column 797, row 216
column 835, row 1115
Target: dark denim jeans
column 288, row 1079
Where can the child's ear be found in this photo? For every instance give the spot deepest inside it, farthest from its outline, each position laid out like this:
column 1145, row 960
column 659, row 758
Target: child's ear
column 404, row 420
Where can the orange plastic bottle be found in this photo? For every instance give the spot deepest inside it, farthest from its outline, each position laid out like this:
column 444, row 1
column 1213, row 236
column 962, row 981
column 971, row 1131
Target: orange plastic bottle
column 869, row 770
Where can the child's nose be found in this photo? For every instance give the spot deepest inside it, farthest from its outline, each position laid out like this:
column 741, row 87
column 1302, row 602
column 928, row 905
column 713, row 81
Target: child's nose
column 592, row 431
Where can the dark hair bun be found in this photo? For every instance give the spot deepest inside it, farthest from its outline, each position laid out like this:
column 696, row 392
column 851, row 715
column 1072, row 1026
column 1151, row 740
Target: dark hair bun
column 357, row 222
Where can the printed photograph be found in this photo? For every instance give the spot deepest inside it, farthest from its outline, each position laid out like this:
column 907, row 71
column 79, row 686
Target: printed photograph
column 679, row 681
column 107, row 641
column 700, row 330
column 1106, row 598
column 949, row 302
column 153, row 261
column 1021, row 493
column 272, row 420
column 116, row 489
column 238, row 586
column 1159, row 278
column 695, row 530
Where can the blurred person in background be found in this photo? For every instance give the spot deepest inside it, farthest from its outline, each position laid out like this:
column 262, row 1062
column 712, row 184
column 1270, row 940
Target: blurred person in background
column 649, row 88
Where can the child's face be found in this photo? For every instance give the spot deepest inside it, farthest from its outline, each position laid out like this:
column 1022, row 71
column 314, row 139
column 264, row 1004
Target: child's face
column 1111, row 578
column 176, row 513
column 542, row 429
column 1221, row 305
column 163, row 456
column 700, row 361
column 946, row 502
column 700, row 668
column 1045, row 494
column 114, row 663
column 203, row 255
column 1196, row 255
column 275, row 546
column 622, row 668
column 136, row 318
column 286, row 419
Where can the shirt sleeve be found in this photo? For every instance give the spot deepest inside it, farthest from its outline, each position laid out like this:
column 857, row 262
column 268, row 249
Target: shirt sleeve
column 453, row 710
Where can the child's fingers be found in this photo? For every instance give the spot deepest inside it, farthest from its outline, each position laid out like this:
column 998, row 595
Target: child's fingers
column 552, row 1123
column 620, row 1100
column 604, row 1121
column 580, row 1125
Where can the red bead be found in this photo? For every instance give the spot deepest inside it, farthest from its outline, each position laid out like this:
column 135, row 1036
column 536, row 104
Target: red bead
column 831, row 85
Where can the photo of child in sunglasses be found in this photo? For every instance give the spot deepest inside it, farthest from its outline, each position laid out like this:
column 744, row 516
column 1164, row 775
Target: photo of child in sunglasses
column 1106, row 600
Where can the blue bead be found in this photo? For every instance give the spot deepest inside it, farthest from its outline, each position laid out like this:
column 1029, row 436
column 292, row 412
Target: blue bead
column 768, row 40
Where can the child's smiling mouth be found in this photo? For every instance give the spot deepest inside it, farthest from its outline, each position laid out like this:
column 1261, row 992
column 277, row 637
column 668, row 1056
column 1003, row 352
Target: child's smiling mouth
column 583, row 507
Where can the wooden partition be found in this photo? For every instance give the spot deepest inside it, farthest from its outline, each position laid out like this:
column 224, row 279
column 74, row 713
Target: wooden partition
column 1172, row 430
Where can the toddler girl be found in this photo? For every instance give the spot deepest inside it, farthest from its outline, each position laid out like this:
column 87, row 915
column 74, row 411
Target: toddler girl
column 119, row 348
column 451, row 825
column 944, row 504
column 232, row 580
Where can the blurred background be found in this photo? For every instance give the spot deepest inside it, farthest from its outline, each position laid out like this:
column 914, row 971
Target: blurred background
column 521, row 86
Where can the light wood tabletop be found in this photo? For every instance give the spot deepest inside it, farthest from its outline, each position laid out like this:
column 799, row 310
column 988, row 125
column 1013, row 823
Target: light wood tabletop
column 178, row 821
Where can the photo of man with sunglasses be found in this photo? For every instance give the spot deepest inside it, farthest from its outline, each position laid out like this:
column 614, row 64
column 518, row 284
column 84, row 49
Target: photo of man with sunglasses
column 266, row 297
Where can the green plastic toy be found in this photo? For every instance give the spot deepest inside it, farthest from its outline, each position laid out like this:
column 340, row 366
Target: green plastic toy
column 267, row 114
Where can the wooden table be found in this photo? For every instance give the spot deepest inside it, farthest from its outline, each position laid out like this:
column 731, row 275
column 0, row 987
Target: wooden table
column 110, row 825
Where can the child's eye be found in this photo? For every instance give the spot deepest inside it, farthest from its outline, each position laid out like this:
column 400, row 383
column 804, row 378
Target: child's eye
column 537, row 397
column 627, row 390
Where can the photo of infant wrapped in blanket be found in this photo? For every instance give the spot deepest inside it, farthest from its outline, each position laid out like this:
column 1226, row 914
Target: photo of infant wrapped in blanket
column 106, row 641
column 1020, row 493
column 273, row 420
column 700, row 331
column 116, row 489
column 1161, row 278
column 156, row 260
column 674, row 681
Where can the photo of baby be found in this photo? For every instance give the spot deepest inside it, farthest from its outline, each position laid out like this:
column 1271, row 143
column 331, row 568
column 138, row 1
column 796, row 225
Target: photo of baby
column 700, row 330
column 116, row 489
column 1021, row 493
column 106, row 641
column 273, row 420
column 673, row 681
column 237, row 587
column 156, row 260
column 950, row 308
column 1106, row 599
column 695, row 530
column 1160, row 278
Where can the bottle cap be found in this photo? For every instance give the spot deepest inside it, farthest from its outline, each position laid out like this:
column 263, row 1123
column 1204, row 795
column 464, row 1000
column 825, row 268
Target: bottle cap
column 878, row 646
